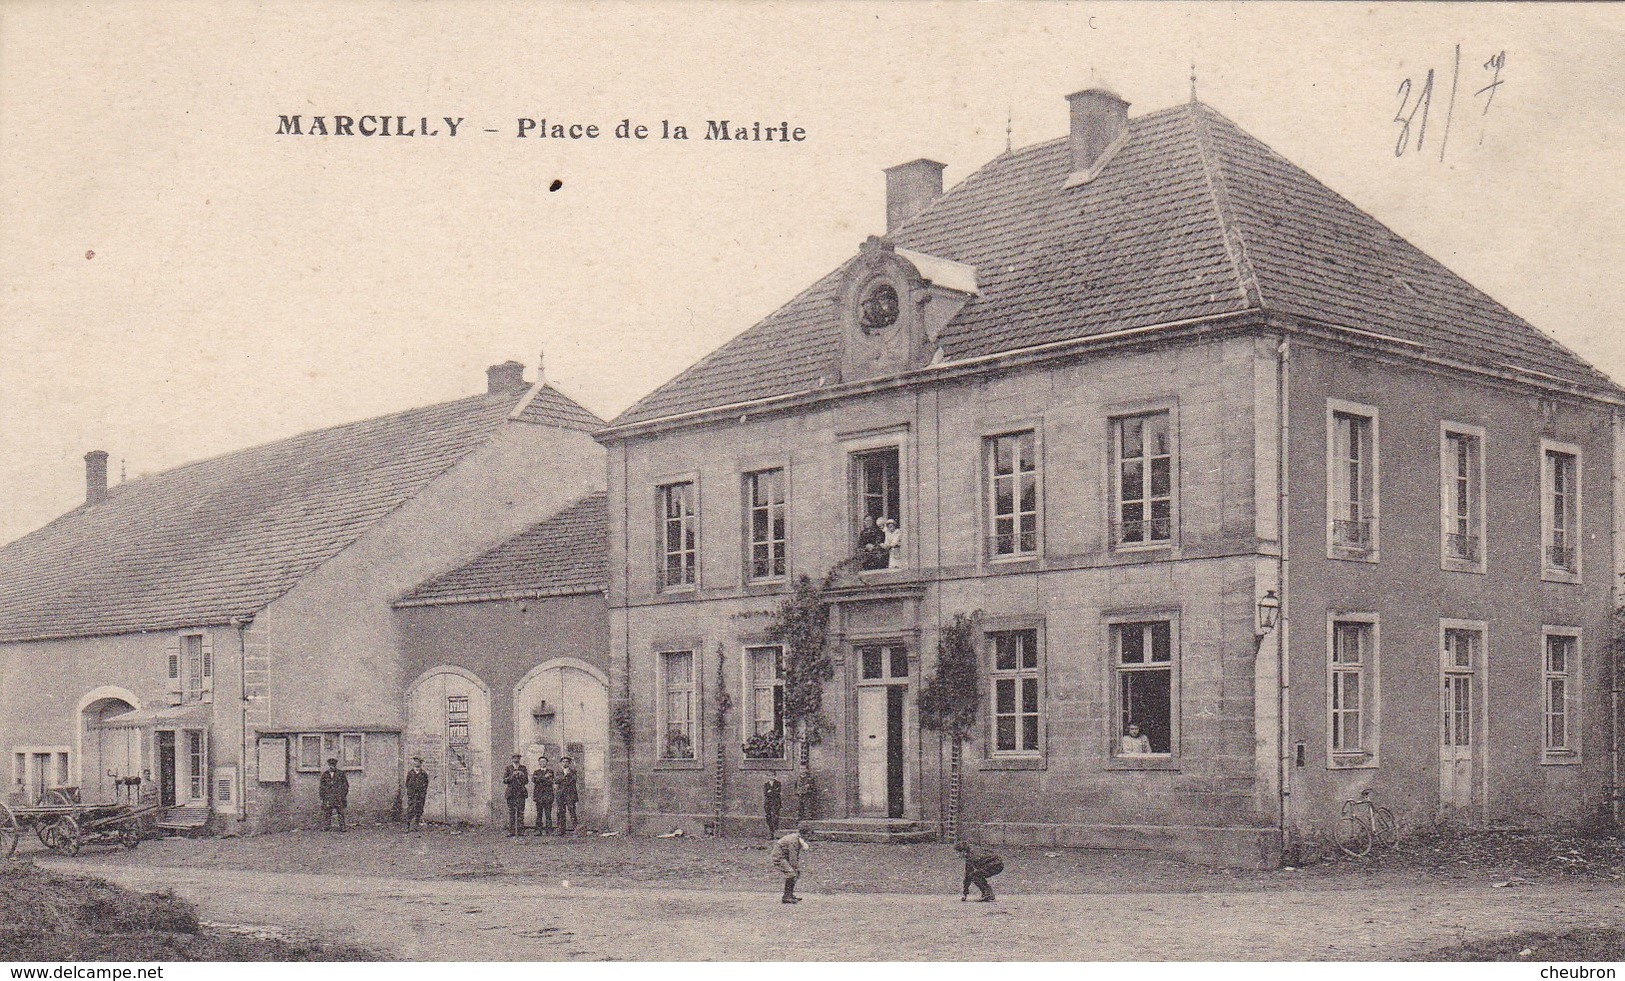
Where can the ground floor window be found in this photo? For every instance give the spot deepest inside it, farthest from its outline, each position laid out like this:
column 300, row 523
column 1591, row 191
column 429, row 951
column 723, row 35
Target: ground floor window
column 764, row 706
column 1351, row 701
column 1016, row 691
column 1143, row 665
column 677, row 705
column 1560, row 672
column 36, row 769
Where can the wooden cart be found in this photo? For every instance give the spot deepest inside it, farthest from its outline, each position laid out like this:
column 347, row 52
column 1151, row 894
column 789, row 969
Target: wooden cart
column 65, row 825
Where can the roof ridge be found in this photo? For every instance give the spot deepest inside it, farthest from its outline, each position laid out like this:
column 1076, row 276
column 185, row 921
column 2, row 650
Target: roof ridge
column 301, row 435
column 1235, row 244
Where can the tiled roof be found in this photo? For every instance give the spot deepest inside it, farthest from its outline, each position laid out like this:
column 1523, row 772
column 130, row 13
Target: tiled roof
column 564, row 555
column 211, row 541
column 1192, row 218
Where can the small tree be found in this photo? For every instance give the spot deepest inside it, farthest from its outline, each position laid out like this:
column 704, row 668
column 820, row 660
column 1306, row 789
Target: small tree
column 723, row 703
column 802, row 626
column 621, row 721
column 950, row 699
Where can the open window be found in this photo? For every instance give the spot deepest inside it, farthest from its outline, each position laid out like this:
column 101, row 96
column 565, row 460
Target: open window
column 877, row 498
column 1146, row 689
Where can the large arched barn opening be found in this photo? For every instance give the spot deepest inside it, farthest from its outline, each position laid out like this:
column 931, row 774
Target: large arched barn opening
column 109, row 751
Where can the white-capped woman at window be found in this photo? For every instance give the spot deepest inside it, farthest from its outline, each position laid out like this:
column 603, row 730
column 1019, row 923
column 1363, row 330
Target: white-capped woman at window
column 893, row 544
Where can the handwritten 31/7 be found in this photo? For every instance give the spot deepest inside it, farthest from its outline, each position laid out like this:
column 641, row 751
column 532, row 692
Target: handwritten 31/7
column 1414, row 102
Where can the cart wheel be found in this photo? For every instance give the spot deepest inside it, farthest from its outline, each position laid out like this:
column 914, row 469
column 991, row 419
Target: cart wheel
column 45, row 831
column 56, row 798
column 67, row 835
column 8, row 831
column 129, row 837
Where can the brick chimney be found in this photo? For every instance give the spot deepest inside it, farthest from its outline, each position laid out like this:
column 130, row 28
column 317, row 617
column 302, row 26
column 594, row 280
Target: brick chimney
column 507, row 377
column 1099, row 123
column 909, row 188
column 95, row 476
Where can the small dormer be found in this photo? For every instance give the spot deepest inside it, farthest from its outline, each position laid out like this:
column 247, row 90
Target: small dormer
column 893, row 305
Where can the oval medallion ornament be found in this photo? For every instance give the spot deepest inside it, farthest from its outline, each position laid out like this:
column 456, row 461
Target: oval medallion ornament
column 879, row 309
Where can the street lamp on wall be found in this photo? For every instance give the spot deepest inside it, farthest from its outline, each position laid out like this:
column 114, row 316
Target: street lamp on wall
column 1269, row 614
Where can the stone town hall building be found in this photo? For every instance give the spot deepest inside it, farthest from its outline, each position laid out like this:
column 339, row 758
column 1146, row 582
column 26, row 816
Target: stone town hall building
column 1123, row 393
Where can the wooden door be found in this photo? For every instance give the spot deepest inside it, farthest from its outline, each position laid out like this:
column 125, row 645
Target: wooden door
column 873, row 750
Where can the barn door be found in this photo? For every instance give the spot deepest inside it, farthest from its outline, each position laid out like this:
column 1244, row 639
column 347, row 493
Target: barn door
column 448, row 723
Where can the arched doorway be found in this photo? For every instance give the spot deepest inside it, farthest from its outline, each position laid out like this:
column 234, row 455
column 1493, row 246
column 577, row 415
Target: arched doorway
column 448, row 723
column 108, row 751
column 562, row 708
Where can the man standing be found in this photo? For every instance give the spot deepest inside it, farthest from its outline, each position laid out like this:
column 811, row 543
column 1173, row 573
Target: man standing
column 980, row 866
column 517, row 779
column 787, row 859
column 566, row 794
column 417, row 791
column 772, row 802
column 334, row 793
column 542, row 783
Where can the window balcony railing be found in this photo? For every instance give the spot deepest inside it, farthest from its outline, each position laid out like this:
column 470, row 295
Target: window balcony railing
column 1463, row 548
column 1353, row 534
column 1152, row 531
column 1560, row 557
column 1023, row 545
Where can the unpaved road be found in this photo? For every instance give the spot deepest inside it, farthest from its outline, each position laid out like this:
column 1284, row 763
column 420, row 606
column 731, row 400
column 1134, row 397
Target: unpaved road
column 502, row 918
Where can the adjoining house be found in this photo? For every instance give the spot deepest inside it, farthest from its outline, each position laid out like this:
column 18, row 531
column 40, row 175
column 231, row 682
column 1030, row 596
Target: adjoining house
column 510, row 654
column 1261, row 508
column 221, row 629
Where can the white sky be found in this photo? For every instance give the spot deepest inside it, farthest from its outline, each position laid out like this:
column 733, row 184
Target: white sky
column 246, row 287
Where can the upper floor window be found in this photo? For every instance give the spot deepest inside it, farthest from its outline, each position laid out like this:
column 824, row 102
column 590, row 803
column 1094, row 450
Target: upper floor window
column 1352, row 692
column 679, row 526
column 1142, row 480
column 1462, row 484
column 1351, row 482
column 1017, row 705
column 191, row 668
column 1560, row 512
column 1012, row 494
column 877, row 498
column 764, row 495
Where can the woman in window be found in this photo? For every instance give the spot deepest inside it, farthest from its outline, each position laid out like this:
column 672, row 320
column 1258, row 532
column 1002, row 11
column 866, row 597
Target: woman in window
column 893, row 544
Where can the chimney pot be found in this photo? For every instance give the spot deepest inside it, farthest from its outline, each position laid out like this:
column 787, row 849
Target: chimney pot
column 501, row 379
column 910, row 187
column 1099, row 121
column 95, row 476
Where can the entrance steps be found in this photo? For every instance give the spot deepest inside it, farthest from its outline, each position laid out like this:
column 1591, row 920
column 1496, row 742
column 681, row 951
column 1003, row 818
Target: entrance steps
column 888, row 831
column 183, row 820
